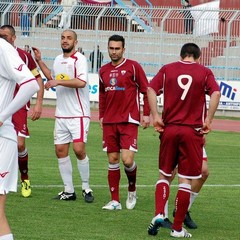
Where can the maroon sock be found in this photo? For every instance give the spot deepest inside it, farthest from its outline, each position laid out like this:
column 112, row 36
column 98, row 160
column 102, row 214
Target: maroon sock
column 181, row 205
column 132, row 176
column 23, row 165
column 113, row 182
column 161, row 196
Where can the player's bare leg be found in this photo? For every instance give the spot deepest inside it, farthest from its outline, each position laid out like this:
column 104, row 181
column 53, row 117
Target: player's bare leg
column 4, row 226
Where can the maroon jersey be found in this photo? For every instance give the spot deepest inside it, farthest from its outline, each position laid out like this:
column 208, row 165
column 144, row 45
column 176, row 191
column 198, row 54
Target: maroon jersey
column 28, row 59
column 119, row 92
column 184, row 85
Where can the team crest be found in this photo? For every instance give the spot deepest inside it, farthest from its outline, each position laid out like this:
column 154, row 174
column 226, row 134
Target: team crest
column 123, row 72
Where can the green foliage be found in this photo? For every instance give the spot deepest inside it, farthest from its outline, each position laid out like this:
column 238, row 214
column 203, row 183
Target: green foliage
column 216, row 211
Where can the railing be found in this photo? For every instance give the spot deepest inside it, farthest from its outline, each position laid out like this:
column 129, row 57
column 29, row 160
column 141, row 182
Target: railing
column 219, row 38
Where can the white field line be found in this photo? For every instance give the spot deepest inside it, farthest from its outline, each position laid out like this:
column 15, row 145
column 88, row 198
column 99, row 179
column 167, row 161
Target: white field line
column 138, row 186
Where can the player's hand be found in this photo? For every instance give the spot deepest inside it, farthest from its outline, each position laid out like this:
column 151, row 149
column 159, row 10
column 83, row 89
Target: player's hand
column 206, row 126
column 100, row 123
column 37, row 54
column 36, row 113
column 158, row 124
column 1, row 123
column 145, row 122
column 49, row 84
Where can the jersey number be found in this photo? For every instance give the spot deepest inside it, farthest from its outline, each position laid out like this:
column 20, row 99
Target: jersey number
column 185, row 86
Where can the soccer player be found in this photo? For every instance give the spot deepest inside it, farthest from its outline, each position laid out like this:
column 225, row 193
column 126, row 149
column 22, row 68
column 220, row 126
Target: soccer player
column 70, row 77
column 20, row 117
column 12, row 71
column 184, row 121
column 121, row 82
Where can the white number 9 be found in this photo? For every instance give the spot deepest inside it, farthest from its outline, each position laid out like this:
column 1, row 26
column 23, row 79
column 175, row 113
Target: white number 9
column 186, row 86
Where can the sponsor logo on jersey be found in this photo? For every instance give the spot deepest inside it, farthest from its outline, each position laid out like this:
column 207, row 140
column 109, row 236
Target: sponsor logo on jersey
column 114, row 87
column 62, row 76
column 2, row 175
column 20, row 67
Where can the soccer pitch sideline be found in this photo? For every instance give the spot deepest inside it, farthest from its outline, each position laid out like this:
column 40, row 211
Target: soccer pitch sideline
column 216, row 210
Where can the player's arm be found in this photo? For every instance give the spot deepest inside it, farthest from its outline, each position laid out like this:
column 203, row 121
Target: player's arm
column 72, row 83
column 157, row 120
column 213, row 104
column 142, row 84
column 102, row 100
column 37, row 108
column 25, row 92
column 46, row 71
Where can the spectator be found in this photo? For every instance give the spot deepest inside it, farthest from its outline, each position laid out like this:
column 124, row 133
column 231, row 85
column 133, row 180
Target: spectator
column 65, row 21
column 80, row 50
column 99, row 58
column 25, row 21
column 188, row 18
column 27, row 49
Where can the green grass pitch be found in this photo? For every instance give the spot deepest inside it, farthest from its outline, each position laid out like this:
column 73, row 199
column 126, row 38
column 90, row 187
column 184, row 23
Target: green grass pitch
column 216, row 210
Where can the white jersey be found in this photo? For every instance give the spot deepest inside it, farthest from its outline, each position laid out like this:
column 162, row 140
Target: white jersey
column 71, row 102
column 11, row 72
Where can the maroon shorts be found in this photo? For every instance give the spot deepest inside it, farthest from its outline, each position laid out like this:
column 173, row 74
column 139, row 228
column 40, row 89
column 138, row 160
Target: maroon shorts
column 19, row 120
column 120, row 136
column 182, row 146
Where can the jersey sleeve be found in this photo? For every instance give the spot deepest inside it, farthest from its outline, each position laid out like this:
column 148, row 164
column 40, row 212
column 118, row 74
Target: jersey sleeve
column 157, row 82
column 211, row 83
column 142, row 83
column 101, row 97
column 82, row 68
column 32, row 65
column 17, row 69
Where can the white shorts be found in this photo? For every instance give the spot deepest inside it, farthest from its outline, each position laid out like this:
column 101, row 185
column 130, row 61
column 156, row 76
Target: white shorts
column 68, row 130
column 8, row 165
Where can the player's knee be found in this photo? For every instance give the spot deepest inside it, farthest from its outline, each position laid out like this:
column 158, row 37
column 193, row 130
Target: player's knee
column 205, row 174
column 21, row 147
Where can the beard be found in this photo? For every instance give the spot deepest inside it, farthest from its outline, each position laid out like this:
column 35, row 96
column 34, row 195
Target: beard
column 67, row 50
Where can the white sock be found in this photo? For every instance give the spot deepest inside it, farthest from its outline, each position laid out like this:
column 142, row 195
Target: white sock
column 7, row 237
column 193, row 196
column 65, row 168
column 166, row 210
column 83, row 168
column 22, row 154
column 131, row 168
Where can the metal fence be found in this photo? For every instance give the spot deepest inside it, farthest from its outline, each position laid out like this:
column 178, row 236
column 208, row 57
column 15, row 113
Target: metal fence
column 154, row 36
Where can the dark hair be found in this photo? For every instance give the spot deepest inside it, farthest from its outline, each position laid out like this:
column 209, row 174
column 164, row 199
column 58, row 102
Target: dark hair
column 10, row 27
column 190, row 50
column 187, row 1
column 117, row 38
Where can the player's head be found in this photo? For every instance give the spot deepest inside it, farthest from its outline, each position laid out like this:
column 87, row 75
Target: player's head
column 116, row 48
column 190, row 50
column 68, row 41
column 8, row 33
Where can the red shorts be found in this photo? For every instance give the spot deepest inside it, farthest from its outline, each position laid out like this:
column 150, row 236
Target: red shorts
column 182, row 146
column 120, row 136
column 19, row 120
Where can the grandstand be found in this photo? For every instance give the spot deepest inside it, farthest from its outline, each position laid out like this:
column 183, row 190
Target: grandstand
column 153, row 41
